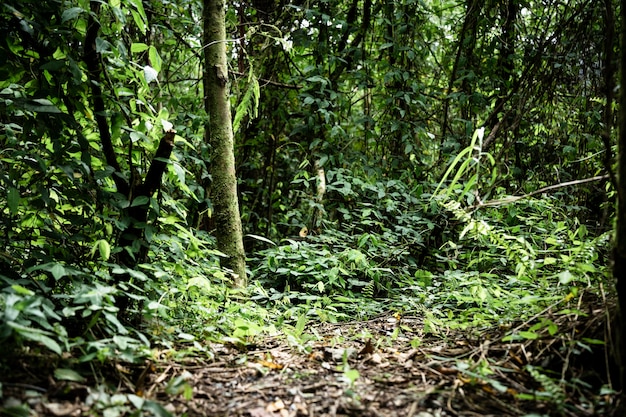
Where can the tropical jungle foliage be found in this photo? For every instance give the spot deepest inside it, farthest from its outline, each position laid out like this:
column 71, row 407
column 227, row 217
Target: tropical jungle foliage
column 447, row 158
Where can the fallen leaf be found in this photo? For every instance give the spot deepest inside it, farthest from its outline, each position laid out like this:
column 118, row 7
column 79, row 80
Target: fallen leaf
column 368, row 348
column 62, row 409
column 271, row 365
column 376, row 359
column 260, row 412
column 337, row 354
column 275, row 406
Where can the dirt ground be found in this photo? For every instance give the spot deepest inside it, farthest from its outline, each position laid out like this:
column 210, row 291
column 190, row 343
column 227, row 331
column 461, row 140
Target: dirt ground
column 387, row 366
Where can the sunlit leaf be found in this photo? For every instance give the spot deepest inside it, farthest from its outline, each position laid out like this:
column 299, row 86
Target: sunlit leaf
column 167, row 126
column 262, row 239
column 528, row 335
column 565, row 277
column 150, row 74
column 64, row 374
column 136, row 47
column 21, row 290
column 155, row 58
column 105, row 249
column 139, row 21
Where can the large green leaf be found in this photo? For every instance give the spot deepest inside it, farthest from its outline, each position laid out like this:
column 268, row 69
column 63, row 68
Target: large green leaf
column 70, row 14
column 138, row 47
column 13, row 198
column 57, row 270
column 36, row 335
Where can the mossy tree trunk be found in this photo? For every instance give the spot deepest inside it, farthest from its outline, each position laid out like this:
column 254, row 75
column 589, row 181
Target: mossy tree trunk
column 219, row 136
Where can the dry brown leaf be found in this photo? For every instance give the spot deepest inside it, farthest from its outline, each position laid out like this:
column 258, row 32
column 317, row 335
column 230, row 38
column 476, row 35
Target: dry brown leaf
column 62, row 409
column 368, row 348
column 260, row 412
column 275, row 406
column 268, row 364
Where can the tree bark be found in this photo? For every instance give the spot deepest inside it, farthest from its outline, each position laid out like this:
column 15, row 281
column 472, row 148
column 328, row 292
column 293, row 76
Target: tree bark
column 619, row 251
column 219, row 136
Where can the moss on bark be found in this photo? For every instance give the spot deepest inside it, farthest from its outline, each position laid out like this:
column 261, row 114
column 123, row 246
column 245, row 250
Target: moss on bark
column 219, row 135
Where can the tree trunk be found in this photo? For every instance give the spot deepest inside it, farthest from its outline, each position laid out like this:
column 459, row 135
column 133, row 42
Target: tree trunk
column 219, row 136
column 619, row 251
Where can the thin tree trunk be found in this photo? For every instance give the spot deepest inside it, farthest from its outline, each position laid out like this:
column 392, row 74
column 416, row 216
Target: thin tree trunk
column 219, row 136
column 462, row 62
column 619, row 251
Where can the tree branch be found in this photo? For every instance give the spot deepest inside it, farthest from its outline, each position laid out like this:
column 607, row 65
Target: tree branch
column 513, row 199
column 152, row 182
column 92, row 60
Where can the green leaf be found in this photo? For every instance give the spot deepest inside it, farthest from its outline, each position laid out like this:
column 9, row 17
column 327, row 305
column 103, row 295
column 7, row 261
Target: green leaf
column 41, row 106
column 301, row 323
column 593, row 341
column 498, row 386
column 70, row 14
column 140, row 201
column 178, row 385
column 36, row 335
column 13, row 200
column 351, row 375
column 155, row 59
column 137, row 274
column 105, row 249
column 528, row 335
column 139, row 21
column 156, row 409
column 56, row 269
column 548, row 260
column 249, row 103
column 140, row 18
column 102, row 45
column 21, row 290
column 114, row 321
column 136, row 401
column 64, row 374
column 138, row 47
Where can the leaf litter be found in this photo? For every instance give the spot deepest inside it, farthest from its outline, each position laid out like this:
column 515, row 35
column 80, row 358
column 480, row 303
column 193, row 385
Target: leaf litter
column 386, row 366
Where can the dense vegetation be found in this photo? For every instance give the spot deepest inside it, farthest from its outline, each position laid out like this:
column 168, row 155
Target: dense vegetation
column 452, row 159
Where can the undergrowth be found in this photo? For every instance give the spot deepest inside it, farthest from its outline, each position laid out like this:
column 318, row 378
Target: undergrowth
column 386, row 247
column 490, row 265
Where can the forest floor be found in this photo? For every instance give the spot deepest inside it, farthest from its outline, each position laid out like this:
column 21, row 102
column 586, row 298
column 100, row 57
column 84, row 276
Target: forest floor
column 387, row 366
